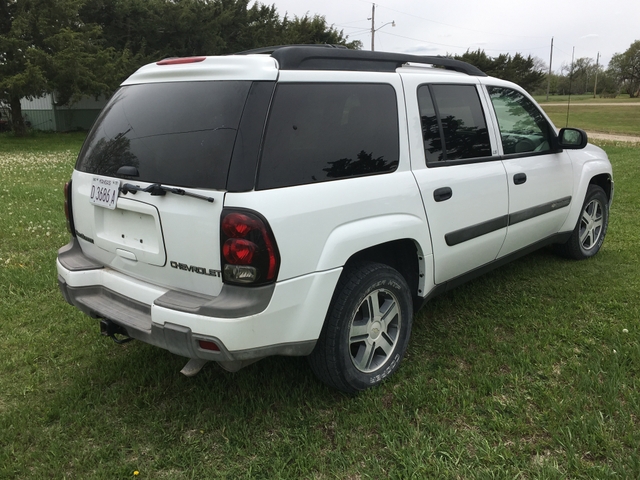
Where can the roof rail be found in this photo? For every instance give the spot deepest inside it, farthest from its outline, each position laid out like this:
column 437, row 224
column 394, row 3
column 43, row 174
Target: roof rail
column 336, row 57
column 276, row 47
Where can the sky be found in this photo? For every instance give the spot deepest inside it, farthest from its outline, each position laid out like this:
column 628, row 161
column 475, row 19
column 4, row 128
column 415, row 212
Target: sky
column 427, row 27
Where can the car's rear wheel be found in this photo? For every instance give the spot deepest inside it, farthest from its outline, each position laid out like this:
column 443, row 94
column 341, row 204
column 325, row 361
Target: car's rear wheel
column 588, row 235
column 367, row 328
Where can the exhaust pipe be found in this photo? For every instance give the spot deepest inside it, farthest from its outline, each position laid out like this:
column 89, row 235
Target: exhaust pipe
column 193, row 366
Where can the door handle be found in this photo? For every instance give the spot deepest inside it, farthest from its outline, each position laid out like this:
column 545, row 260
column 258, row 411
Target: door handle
column 519, row 178
column 442, row 194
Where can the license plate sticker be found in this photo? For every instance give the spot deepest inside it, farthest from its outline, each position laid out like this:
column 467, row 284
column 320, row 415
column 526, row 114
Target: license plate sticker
column 104, row 192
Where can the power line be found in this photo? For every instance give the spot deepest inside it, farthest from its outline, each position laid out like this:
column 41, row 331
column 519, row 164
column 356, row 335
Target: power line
column 447, row 45
column 455, row 26
column 360, row 32
column 346, row 24
column 544, row 47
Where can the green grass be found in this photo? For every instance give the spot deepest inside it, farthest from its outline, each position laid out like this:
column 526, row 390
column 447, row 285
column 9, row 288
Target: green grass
column 621, row 119
column 585, row 98
column 526, row 372
column 41, row 141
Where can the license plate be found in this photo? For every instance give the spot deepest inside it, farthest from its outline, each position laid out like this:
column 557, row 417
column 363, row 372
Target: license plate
column 104, row 192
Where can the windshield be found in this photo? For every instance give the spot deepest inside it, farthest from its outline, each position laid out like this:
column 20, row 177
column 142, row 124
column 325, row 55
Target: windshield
column 179, row 133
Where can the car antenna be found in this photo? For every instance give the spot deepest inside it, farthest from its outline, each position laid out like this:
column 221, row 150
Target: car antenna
column 570, row 79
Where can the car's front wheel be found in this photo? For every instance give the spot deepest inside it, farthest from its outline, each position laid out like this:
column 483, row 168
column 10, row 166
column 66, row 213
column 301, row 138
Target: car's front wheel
column 367, row 328
column 588, row 235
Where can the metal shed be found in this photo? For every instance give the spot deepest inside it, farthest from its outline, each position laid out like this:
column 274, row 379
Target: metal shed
column 43, row 114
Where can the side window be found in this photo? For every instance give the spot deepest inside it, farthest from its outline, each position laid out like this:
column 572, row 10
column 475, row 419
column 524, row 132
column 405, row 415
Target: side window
column 522, row 127
column 430, row 127
column 321, row 132
column 453, row 123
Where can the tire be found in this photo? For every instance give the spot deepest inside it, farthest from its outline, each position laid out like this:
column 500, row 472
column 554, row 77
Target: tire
column 366, row 330
column 588, row 236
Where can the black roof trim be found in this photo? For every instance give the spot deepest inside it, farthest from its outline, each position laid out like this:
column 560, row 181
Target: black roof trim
column 311, row 57
column 276, row 47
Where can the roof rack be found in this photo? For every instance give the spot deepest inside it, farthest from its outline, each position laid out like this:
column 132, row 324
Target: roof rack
column 276, row 47
column 337, row 57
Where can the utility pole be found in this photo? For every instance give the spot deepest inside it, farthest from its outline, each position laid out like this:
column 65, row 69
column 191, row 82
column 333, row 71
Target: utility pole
column 549, row 76
column 373, row 26
column 595, row 86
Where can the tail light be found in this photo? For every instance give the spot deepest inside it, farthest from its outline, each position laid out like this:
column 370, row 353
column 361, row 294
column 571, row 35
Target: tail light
column 68, row 212
column 249, row 251
column 208, row 345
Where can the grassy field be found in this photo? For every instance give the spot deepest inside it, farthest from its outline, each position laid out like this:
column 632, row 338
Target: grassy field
column 620, row 119
column 532, row 371
column 591, row 114
column 37, row 142
column 587, row 98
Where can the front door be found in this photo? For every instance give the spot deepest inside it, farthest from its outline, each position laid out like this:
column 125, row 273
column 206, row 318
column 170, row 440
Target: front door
column 540, row 178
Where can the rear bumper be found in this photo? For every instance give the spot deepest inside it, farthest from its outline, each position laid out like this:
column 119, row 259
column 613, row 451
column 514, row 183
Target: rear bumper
column 245, row 323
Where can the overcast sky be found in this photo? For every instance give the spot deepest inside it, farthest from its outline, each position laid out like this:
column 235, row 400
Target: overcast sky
column 428, row 27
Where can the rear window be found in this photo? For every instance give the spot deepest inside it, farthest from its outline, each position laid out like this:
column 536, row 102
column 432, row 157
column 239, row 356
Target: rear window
column 179, row 133
column 329, row 131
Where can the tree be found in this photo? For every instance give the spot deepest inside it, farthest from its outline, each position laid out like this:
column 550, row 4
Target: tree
column 313, row 30
column 87, row 47
column 154, row 29
column 578, row 77
column 527, row 72
column 608, row 85
column 45, row 47
column 477, row 58
column 626, row 68
column 518, row 69
column 134, row 28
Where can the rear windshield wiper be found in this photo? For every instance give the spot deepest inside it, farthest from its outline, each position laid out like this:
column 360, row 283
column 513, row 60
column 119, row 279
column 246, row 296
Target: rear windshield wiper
column 158, row 190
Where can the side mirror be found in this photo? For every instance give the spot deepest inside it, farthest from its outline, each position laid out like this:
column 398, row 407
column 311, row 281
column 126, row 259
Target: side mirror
column 572, row 138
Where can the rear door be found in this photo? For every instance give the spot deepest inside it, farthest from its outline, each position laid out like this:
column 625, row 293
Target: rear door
column 463, row 184
column 175, row 140
column 166, row 240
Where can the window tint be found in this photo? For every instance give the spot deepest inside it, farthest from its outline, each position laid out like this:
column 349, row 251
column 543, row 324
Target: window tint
column 430, row 126
column 321, row 132
column 179, row 133
column 453, row 123
column 522, row 127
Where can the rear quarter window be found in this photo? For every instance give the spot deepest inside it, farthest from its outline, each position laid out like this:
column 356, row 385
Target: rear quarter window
column 322, row 132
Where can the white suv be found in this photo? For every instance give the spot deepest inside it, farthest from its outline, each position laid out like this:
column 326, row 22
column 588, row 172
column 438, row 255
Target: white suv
column 306, row 200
